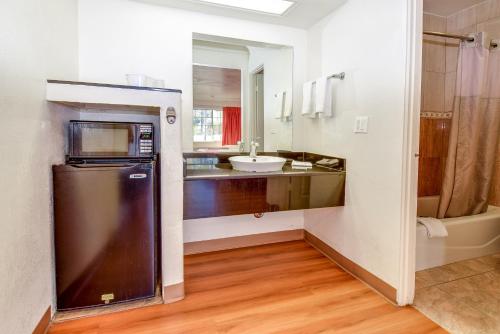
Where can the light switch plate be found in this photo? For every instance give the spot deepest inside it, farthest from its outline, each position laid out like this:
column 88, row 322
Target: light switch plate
column 361, row 125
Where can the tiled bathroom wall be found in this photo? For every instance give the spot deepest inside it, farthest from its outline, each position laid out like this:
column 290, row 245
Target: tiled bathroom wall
column 436, row 109
column 438, row 88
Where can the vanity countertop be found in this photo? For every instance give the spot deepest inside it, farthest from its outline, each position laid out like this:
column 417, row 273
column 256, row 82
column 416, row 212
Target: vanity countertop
column 197, row 172
column 216, row 166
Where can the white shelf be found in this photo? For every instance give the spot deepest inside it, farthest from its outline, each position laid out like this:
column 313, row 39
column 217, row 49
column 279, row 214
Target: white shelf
column 109, row 98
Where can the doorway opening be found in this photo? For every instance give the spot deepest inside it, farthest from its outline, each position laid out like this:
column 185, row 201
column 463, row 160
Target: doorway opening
column 258, row 107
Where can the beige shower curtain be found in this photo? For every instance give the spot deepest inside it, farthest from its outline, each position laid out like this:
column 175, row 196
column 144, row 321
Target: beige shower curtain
column 474, row 131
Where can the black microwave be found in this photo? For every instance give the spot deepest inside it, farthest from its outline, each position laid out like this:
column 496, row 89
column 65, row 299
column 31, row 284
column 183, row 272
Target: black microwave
column 89, row 139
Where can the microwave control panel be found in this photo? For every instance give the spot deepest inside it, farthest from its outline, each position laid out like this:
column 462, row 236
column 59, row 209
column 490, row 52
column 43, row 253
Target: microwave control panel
column 146, row 139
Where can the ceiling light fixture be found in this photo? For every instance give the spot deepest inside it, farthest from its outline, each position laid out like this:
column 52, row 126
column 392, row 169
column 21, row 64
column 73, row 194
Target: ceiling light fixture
column 276, row 7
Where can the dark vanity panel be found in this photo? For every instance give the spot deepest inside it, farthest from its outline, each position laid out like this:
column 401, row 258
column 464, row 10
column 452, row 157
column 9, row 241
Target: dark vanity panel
column 227, row 197
column 213, row 189
column 200, row 199
column 215, row 198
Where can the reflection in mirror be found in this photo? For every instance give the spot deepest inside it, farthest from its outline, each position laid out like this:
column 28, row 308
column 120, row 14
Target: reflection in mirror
column 216, row 93
column 242, row 93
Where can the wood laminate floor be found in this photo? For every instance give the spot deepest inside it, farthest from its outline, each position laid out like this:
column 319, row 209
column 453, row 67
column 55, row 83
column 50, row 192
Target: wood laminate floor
column 280, row 288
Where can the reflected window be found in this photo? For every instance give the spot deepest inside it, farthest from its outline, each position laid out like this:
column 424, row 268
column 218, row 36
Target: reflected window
column 207, row 125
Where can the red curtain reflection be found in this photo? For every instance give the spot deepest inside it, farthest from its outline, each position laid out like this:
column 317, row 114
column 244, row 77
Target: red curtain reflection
column 231, row 125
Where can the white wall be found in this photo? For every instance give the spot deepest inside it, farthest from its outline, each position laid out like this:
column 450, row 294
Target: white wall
column 38, row 41
column 278, row 77
column 233, row 226
column 364, row 38
column 123, row 36
column 367, row 40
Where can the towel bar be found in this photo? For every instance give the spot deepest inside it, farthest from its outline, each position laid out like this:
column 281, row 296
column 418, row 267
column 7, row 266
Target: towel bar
column 340, row 76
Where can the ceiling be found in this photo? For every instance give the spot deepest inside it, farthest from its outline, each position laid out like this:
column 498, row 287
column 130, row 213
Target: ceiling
column 227, row 42
column 304, row 14
column 219, row 45
column 216, row 86
column 448, row 7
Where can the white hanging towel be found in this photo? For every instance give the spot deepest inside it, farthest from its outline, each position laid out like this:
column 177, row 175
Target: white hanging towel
column 435, row 227
column 279, row 104
column 307, row 99
column 287, row 109
column 324, row 97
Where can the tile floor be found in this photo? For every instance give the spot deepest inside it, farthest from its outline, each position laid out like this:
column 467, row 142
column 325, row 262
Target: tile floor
column 462, row 297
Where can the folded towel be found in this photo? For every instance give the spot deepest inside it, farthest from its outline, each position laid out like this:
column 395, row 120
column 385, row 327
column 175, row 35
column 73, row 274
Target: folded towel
column 307, row 99
column 328, row 162
column 435, row 227
column 301, row 164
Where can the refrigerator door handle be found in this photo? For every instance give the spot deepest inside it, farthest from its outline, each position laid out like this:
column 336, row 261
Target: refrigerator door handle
column 137, row 176
column 111, row 167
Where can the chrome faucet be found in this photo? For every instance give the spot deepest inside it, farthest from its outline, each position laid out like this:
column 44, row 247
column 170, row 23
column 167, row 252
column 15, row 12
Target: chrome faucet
column 253, row 149
column 241, row 146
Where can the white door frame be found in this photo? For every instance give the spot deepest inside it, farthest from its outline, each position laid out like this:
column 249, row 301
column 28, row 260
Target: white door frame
column 253, row 106
column 406, row 288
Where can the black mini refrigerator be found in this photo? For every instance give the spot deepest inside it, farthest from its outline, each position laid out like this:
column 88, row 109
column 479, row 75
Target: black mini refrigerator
column 105, row 232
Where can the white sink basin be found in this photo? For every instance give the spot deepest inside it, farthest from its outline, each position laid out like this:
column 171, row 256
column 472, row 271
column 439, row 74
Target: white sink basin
column 258, row 164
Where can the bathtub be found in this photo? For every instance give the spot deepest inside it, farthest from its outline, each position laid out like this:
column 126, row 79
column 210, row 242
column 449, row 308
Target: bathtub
column 468, row 237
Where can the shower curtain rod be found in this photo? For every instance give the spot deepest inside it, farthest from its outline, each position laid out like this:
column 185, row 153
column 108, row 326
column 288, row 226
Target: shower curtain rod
column 460, row 37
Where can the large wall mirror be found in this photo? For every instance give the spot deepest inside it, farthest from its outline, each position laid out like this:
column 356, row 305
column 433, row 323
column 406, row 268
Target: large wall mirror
column 242, row 92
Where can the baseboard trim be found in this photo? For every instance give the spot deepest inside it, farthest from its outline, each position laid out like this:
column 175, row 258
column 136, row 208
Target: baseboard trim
column 207, row 246
column 44, row 323
column 354, row 269
column 173, row 293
